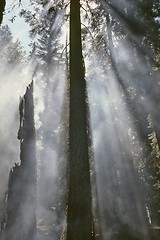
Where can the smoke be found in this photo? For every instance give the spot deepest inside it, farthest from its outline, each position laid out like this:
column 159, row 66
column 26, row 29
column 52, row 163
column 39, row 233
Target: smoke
column 50, row 107
column 14, row 80
column 118, row 149
column 50, row 97
column 119, row 93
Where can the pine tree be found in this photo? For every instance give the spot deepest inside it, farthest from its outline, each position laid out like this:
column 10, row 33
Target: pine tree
column 79, row 209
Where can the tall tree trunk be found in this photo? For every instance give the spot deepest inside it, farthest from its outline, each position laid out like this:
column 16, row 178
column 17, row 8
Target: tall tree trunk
column 2, row 7
column 79, row 217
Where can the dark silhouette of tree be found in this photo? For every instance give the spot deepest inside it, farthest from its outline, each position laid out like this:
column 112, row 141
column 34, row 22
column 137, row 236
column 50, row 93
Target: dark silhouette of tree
column 79, row 208
column 47, row 57
column 2, row 7
column 127, row 25
column 12, row 53
column 20, row 222
column 144, row 45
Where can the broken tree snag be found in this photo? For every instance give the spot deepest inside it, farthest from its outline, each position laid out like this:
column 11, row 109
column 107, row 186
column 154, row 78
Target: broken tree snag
column 22, row 189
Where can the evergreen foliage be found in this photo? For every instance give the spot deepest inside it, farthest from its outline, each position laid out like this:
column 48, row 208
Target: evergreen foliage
column 110, row 120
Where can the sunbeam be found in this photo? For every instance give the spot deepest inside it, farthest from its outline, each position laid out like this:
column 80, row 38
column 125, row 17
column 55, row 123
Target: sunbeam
column 88, row 165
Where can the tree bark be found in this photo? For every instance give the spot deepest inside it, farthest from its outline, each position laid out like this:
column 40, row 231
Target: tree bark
column 79, row 211
column 22, row 191
column 2, row 7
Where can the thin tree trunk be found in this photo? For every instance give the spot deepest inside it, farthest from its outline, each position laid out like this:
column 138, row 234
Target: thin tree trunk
column 2, row 7
column 79, row 217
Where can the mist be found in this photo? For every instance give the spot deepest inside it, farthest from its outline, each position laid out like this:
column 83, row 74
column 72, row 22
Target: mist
column 121, row 101
column 11, row 88
column 122, row 87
